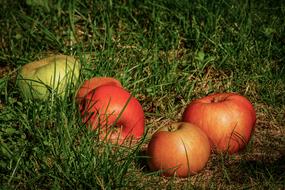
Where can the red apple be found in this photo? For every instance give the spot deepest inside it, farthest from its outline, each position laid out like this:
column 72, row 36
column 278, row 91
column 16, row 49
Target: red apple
column 118, row 115
column 93, row 83
column 228, row 119
column 181, row 149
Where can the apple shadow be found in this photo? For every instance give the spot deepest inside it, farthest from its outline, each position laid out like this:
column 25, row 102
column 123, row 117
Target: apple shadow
column 257, row 169
column 142, row 161
column 275, row 169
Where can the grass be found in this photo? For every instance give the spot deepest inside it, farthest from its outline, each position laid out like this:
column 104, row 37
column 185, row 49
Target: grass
column 166, row 53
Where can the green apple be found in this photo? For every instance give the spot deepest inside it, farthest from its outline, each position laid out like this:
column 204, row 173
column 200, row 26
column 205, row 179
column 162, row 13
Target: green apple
column 54, row 74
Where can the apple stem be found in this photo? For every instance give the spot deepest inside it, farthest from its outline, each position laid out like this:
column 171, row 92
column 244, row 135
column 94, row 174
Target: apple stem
column 217, row 99
column 172, row 127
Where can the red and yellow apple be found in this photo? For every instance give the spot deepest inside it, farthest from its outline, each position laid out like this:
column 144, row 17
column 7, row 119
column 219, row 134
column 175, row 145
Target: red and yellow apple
column 180, row 149
column 54, row 74
column 114, row 112
column 228, row 119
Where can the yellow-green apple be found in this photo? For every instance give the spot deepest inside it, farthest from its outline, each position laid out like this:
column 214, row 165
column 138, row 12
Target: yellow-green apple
column 54, row 74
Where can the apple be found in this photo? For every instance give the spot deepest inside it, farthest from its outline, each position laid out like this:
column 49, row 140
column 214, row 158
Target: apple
column 228, row 119
column 53, row 74
column 180, row 149
column 93, row 83
column 114, row 112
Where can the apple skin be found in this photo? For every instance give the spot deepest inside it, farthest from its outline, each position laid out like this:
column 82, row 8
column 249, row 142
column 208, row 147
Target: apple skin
column 181, row 149
column 228, row 119
column 93, row 83
column 56, row 73
column 118, row 115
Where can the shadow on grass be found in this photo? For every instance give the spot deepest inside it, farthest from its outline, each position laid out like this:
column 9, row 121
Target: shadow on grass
column 258, row 172
column 142, row 161
column 275, row 168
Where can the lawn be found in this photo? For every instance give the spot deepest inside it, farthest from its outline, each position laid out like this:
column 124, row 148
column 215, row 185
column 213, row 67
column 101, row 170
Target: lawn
column 166, row 53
